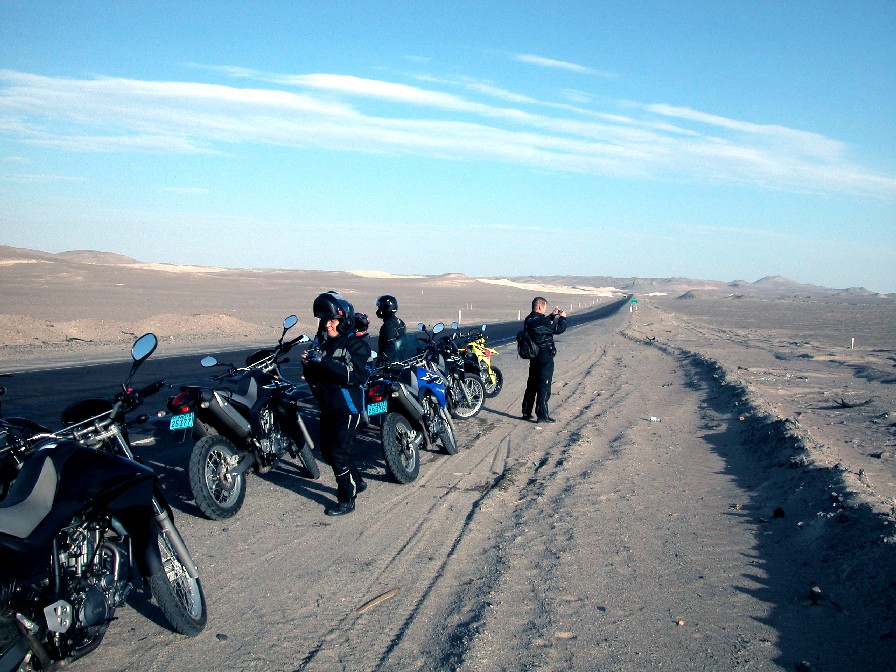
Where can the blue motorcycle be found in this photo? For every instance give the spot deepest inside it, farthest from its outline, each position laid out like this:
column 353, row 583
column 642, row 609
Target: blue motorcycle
column 408, row 399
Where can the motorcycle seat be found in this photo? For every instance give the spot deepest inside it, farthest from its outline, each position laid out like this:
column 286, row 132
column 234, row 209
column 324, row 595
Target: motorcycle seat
column 30, row 497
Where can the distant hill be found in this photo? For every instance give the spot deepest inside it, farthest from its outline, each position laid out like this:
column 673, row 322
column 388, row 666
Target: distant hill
column 94, row 257
column 8, row 253
column 769, row 287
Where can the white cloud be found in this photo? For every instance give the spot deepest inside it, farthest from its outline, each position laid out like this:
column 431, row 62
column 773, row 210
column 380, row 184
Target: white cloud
column 551, row 63
column 186, row 190
column 42, row 177
column 348, row 113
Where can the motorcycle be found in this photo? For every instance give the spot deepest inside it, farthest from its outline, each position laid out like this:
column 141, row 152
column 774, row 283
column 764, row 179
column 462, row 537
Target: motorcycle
column 466, row 392
column 479, row 354
column 408, row 399
column 84, row 520
column 14, row 433
column 249, row 421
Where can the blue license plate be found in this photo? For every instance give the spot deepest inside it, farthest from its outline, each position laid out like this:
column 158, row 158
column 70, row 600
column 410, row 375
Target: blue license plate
column 377, row 407
column 183, row 421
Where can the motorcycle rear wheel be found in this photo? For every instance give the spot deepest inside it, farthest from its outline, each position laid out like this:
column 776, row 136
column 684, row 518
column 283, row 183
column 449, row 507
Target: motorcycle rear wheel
column 462, row 409
column 493, row 389
column 446, row 435
column 219, row 494
column 399, row 449
column 178, row 595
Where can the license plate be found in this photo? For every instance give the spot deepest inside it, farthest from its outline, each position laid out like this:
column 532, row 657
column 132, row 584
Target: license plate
column 377, row 408
column 182, row 421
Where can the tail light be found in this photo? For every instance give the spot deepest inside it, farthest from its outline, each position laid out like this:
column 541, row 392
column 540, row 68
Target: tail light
column 377, row 393
column 180, row 403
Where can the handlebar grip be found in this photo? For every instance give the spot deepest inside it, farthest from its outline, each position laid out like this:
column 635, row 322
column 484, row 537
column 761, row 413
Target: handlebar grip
column 150, row 389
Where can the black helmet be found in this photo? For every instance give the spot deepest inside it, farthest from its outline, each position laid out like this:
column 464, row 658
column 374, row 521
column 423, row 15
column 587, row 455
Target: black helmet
column 362, row 323
column 332, row 306
column 386, row 305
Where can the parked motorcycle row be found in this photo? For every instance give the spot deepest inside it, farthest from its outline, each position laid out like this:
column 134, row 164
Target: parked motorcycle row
column 83, row 520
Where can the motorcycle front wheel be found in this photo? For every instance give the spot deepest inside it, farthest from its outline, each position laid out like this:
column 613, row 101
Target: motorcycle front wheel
column 306, row 457
column 219, row 493
column 492, row 389
column 178, row 595
column 446, row 433
column 475, row 390
column 400, row 448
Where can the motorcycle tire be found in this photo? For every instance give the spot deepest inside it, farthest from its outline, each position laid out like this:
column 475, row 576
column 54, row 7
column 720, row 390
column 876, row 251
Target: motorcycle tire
column 447, row 437
column 309, row 464
column 462, row 409
column 179, row 596
column 402, row 456
column 201, row 430
column 218, row 495
column 493, row 389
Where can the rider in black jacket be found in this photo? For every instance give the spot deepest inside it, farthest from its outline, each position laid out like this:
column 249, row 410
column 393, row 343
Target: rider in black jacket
column 336, row 372
column 541, row 329
column 392, row 332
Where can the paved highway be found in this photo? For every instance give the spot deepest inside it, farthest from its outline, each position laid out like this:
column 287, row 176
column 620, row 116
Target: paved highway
column 41, row 395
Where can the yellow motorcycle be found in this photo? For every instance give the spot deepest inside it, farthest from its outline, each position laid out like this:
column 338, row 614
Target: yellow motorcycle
column 479, row 354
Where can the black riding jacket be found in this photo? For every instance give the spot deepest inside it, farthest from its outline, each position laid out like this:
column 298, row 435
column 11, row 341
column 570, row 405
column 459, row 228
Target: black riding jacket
column 542, row 329
column 337, row 379
column 391, row 333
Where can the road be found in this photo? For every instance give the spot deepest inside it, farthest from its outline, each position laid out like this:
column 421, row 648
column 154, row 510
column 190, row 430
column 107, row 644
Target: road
column 41, row 395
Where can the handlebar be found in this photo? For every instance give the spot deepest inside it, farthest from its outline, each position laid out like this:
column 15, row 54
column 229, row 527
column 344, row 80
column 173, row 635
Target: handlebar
column 151, row 389
column 267, row 364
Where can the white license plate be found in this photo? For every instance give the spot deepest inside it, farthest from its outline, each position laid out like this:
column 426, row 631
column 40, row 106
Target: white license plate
column 377, row 407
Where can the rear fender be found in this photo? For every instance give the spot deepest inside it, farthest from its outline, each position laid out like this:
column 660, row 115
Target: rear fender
column 224, row 416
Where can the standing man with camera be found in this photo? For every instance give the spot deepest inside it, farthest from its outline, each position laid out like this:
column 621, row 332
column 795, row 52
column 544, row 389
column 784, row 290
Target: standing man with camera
column 336, row 370
column 541, row 329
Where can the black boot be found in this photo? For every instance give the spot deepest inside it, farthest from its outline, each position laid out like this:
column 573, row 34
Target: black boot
column 340, row 508
column 360, row 483
column 543, row 415
column 346, row 490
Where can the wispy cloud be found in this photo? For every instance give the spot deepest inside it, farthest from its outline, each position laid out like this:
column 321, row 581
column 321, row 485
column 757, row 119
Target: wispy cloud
column 353, row 114
column 35, row 178
column 552, row 63
column 186, row 190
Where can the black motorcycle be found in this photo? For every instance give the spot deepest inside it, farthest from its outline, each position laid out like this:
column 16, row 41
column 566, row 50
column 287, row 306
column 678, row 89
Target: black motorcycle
column 249, row 419
column 466, row 392
column 82, row 523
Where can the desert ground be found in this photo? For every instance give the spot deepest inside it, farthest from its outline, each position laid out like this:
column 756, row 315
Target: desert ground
column 751, row 527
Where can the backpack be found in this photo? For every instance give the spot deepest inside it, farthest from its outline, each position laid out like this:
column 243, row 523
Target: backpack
column 525, row 346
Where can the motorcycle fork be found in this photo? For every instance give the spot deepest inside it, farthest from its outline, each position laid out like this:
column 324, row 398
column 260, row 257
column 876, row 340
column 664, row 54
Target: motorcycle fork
column 161, row 514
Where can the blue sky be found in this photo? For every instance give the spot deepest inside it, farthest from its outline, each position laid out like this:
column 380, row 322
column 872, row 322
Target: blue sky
column 710, row 140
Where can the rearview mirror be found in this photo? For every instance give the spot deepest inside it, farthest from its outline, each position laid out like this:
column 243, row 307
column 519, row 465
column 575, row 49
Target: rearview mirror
column 144, row 346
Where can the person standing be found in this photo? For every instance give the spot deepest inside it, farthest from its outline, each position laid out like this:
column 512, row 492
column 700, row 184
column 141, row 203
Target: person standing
column 391, row 338
column 336, row 371
column 541, row 329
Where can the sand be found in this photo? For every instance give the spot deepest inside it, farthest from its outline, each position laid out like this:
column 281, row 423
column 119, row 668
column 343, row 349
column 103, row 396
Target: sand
column 750, row 528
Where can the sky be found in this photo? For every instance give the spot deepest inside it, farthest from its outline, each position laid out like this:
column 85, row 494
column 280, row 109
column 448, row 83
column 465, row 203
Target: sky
column 710, row 140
